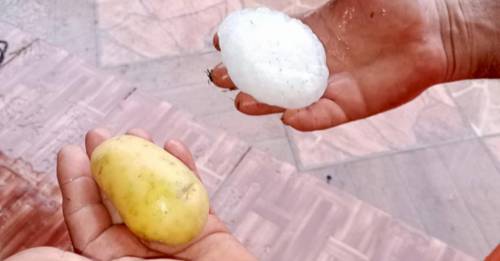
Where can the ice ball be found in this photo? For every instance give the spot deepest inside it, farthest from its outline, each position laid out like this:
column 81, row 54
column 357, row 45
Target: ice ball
column 275, row 58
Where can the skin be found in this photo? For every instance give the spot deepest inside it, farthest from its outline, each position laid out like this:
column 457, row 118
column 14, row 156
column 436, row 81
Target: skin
column 495, row 256
column 383, row 53
column 94, row 234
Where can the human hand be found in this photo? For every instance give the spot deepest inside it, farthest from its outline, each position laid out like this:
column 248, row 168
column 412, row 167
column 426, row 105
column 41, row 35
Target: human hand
column 380, row 54
column 96, row 236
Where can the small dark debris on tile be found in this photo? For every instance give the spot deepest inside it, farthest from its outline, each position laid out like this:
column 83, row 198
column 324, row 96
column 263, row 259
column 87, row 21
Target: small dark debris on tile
column 209, row 74
column 4, row 45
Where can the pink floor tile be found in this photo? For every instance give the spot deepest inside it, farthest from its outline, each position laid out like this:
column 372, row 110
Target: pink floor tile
column 164, row 74
column 133, row 30
column 51, row 98
column 248, row 128
column 198, row 99
column 431, row 118
column 30, row 212
column 279, row 148
column 493, row 145
column 281, row 215
column 480, row 102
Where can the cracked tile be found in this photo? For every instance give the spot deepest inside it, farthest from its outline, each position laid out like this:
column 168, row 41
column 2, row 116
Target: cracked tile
column 67, row 24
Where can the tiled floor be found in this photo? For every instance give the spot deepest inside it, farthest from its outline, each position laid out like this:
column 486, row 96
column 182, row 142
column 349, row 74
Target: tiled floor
column 30, row 213
column 276, row 212
column 432, row 118
column 480, row 101
column 433, row 163
column 276, row 215
column 134, row 30
column 449, row 191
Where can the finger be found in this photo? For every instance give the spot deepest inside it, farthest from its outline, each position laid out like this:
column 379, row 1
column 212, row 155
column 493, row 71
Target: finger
column 141, row 133
column 76, row 183
column 345, row 91
column 94, row 138
column 495, row 255
column 118, row 241
column 84, row 214
column 248, row 105
column 321, row 115
column 113, row 212
column 342, row 102
column 220, row 77
column 128, row 258
column 46, row 254
column 181, row 152
column 216, row 42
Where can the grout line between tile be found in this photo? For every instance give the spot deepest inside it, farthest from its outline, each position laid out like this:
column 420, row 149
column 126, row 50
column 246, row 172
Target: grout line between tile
column 238, row 163
column 460, row 110
column 491, row 135
column 287, row 137
column 391, row 153
column 298, row 164
column 149, row 61
column 490, row 155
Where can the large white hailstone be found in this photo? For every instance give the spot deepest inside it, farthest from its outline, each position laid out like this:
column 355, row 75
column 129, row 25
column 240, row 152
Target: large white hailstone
column 276, row 59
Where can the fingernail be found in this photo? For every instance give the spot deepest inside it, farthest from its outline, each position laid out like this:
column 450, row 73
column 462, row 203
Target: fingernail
column 216, row 42
column 174, row 143
column 102, row 132
column 238, row 104
column 284, row 122
column 244, row 105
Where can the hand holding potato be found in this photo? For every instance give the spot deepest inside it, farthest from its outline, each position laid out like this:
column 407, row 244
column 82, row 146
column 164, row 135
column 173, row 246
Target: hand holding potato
column 90, row 224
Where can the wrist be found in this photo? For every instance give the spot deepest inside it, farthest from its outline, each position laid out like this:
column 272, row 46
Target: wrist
column 470, row 30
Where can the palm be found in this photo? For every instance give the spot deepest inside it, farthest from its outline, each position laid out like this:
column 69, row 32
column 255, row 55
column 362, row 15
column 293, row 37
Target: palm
column 380, row 54
column 383, row 48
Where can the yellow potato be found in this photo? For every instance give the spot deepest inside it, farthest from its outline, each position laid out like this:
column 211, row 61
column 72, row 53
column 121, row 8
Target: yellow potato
column 157, row 196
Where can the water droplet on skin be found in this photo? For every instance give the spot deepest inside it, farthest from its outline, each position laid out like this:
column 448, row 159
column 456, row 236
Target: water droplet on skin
column 347, row 16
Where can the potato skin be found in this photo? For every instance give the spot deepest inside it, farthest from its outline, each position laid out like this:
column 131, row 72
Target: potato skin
column 157, row 196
